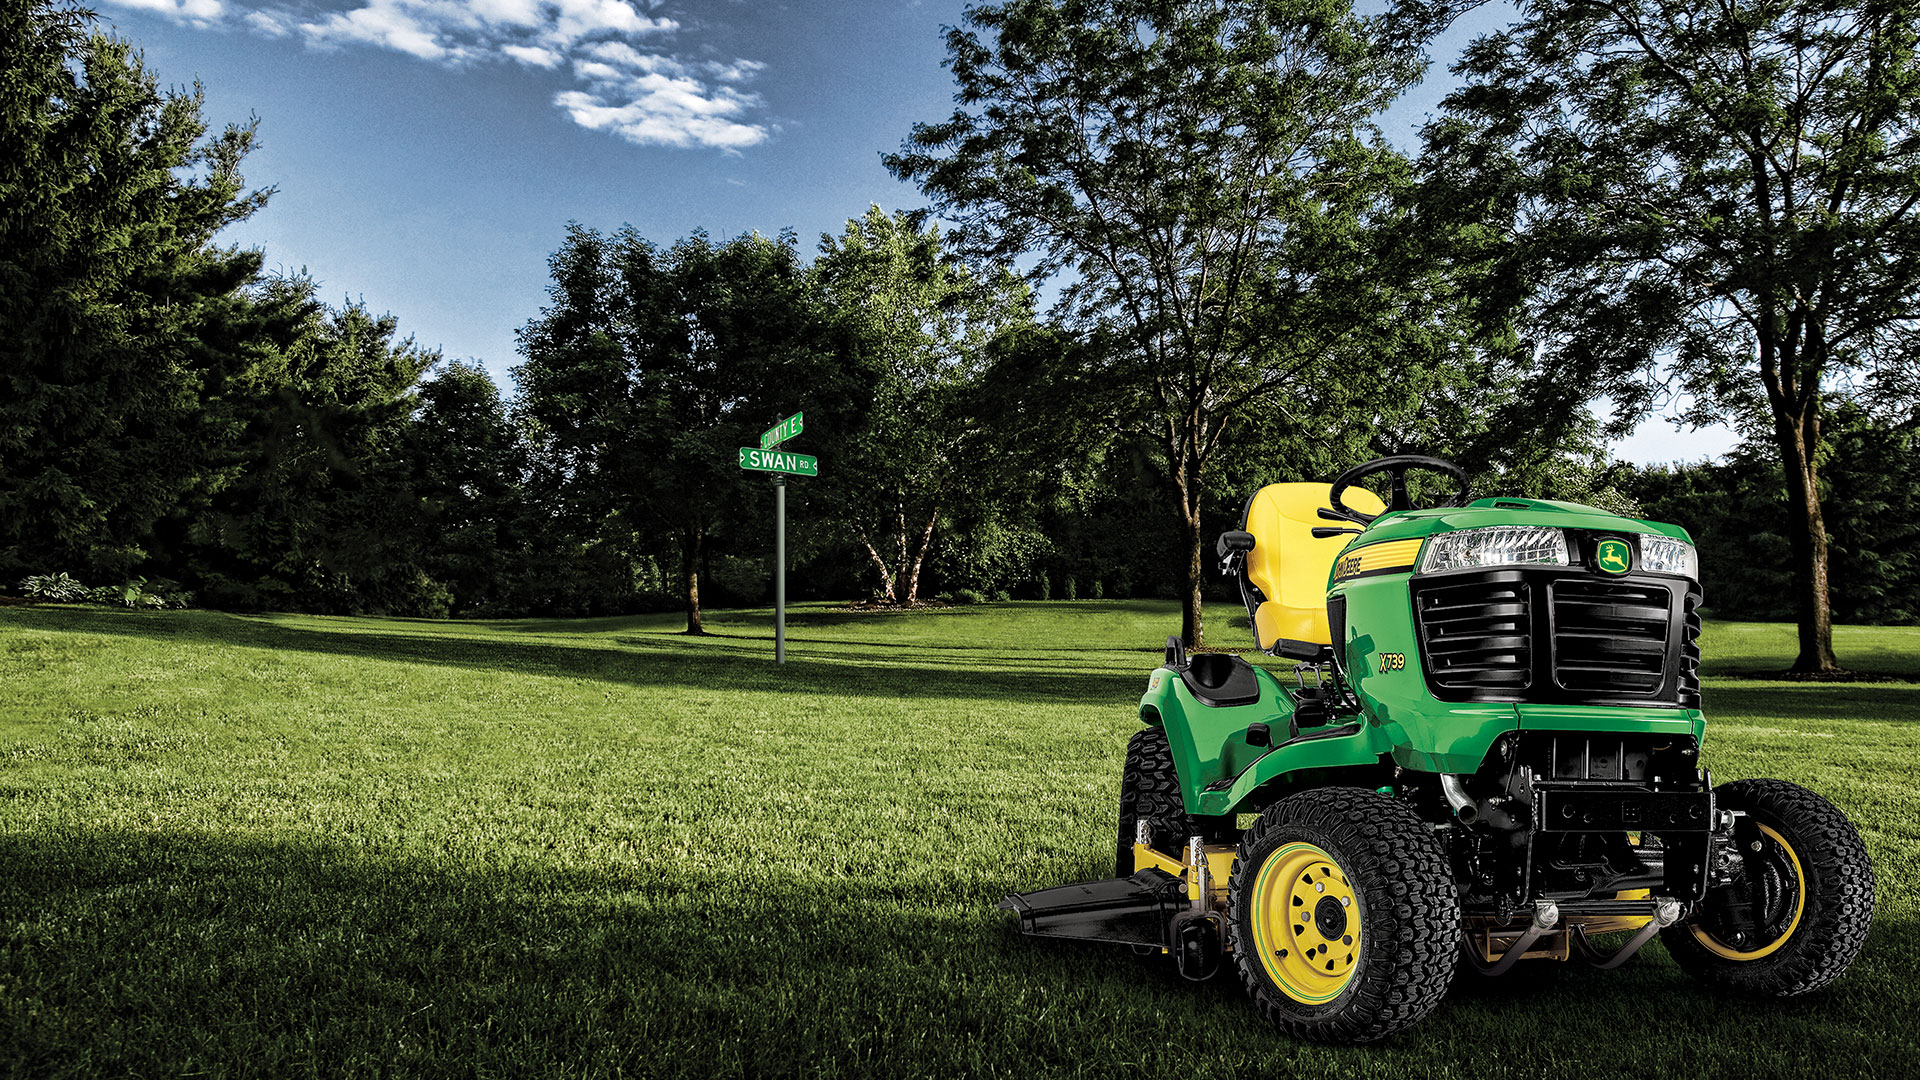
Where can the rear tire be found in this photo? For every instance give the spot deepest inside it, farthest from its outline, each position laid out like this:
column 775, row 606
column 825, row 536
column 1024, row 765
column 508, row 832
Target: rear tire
column 1811, row 883
column 1344, row 921
column 1150, row 791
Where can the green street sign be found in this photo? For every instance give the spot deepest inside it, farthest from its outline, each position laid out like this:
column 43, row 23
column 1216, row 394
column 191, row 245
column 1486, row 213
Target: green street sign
column 753, row 457
column 781, row 432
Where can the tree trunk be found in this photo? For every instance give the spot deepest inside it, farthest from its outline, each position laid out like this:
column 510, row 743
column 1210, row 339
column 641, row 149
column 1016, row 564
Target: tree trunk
column 1798, row 439
column 1192, row 628
column 690, row 571
column 926, row 541
column 880, row 564
column 1791, row 354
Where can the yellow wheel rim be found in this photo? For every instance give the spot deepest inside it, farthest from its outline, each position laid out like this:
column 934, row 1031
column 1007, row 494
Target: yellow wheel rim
column 1718, row 948
column 1306, row 923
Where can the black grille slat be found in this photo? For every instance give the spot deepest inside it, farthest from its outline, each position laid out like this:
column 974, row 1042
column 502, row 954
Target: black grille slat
column 1478, row 637
column 1689, row 674
column 1609, row 636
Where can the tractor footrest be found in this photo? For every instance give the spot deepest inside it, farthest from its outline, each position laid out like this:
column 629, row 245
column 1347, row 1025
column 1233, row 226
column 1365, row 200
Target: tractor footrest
column 1133, row 910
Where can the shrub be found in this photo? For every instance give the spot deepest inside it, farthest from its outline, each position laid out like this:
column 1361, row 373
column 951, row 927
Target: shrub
column 55, row 588
column 1072, row 589
column 133, row 594
column 968, row 596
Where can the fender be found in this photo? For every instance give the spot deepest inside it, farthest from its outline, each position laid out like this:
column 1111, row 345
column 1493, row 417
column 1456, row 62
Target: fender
column 1218, row 769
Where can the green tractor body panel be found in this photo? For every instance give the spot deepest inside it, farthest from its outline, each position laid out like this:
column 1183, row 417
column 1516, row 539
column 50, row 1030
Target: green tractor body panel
column 1377, row 632
column 1209, row 743
column 1484, row 513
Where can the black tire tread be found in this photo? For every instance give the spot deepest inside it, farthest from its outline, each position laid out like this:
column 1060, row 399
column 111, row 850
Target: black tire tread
column 1150, row 789
column 1835, row 926
column 1411, row 907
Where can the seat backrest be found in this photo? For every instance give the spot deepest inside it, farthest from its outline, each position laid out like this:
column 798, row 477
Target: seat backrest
column 1289, row 564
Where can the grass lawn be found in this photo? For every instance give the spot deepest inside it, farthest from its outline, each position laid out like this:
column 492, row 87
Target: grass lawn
column 284, row 845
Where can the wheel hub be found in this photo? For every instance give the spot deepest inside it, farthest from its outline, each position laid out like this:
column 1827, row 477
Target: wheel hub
column 1330, row 918
column 1306, row 923
column 1772, row 899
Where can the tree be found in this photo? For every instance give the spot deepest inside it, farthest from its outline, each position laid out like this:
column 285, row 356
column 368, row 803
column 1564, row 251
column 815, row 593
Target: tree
column 649, row 368
column 470, row 467
column 1735, row 508
column 1721, row 195
column 321, row 511
column 1195, row 173
column 120, row 321
column 923, row 322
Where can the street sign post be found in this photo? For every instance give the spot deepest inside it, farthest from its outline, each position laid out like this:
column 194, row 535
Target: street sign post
column 782, row 431
column 779, row 568
column 764, row 458
column 778, row 461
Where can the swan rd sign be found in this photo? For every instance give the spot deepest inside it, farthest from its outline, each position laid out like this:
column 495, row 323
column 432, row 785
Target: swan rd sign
column 767, row 457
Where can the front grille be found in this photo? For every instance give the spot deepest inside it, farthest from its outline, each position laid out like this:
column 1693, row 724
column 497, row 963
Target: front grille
column 1609, row 636
column 1477, row 635
column 1559, row 635
column 1690, row 652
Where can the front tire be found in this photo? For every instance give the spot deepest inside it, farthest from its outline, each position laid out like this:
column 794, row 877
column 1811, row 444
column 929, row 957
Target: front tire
column 1344, row 921
column 1150, row 791
column 1808, row 888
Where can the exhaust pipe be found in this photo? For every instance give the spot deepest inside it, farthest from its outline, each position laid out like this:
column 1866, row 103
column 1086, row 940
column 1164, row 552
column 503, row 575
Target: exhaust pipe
column 1456, row 793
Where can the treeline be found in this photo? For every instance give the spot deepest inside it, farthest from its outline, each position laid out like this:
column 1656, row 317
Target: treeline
column 1736, row 509
column 1253, row 290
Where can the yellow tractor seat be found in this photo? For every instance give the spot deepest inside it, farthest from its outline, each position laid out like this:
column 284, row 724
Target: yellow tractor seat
column 1289, row 565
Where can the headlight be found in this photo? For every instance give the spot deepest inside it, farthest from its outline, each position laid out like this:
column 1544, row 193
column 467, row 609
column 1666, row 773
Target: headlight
column 1665, row 555
column 1502, row 545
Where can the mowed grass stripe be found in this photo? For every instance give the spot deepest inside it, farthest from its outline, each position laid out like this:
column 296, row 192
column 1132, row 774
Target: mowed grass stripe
column 288, row 845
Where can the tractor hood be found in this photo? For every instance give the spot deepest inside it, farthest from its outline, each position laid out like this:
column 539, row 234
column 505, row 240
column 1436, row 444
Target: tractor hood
column 1486, row 513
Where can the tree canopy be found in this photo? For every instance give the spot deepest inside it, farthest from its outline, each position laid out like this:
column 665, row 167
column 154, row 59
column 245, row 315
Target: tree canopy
column 923, row 322
column 650, row 367
column 1201, row 175
column 121, row 321
column 1722, row 196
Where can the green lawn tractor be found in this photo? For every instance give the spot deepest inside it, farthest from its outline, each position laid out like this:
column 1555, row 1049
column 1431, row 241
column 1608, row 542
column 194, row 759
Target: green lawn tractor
column 1486, row 755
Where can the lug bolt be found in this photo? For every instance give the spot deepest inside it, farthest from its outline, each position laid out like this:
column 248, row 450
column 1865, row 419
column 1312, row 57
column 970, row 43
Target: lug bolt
column 1319, row 886
column 1755, row 846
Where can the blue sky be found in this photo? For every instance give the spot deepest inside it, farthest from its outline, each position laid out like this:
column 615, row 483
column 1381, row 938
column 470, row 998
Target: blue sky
column 429, row 153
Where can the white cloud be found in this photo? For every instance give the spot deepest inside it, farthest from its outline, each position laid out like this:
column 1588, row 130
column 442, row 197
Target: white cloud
column 270, row 23
column 631, row 85
column 577, row 19
column 507, row 12
column 533, row 55
column 625, row 55
column 382, row 22
column 737, row 71
column 195, row 11
column 664, row 117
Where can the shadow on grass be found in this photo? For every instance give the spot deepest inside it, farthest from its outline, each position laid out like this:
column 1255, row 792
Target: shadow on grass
column 713, row 662
column 168, row 954
column 177, row 953
column 1876, row 702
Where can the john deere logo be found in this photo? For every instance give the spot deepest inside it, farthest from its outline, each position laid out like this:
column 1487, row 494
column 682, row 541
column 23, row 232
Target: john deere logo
column 1614, row 556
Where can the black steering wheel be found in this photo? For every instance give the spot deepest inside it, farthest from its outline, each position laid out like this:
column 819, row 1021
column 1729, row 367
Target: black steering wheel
column 1397, row 466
